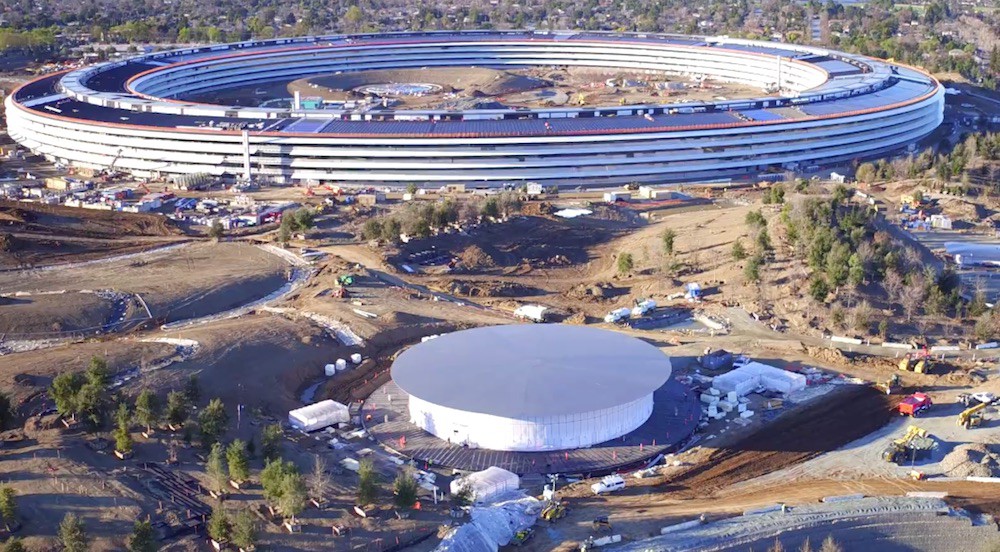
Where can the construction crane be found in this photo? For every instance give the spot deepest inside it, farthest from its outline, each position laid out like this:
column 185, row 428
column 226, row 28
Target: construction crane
column 973, row 416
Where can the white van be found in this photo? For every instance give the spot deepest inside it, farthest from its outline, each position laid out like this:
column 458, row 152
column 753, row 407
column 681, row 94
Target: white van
column 609, row 484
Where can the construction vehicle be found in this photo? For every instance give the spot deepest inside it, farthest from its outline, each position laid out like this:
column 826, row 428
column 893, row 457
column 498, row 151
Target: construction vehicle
column 889, row 385
column 920, row 363
column 602, row 523
column 973, row 416
column 522, row 537
column 346, row 280
column 914, row 405
column 972, row 399
column 555, row 510
column 914, row 445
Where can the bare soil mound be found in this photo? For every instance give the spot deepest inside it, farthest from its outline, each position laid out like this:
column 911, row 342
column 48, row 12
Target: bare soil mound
column 975, row 459
column 474, row 258
column 486, row 82
column 69, row 221
column 486, row 288
column 840, row 417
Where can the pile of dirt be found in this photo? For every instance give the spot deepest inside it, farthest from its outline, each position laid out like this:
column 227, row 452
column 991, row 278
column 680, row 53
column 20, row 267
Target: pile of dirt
column 537, row 208
column 474, row 258
column 960, row 209
column 974, row 459
column 840, row 417
column 600, row 290
column 486, row 288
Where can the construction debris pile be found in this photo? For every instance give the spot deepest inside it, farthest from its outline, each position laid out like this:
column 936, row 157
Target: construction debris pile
column 974, row 459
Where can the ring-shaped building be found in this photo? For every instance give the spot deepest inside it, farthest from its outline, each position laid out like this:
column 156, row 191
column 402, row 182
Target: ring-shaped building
column 816, row 107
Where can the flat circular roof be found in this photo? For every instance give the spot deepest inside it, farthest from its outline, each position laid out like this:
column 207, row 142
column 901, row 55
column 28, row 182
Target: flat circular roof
column 531, row 370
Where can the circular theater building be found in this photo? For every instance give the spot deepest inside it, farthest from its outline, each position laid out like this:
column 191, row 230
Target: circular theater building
column 174, row 113
column 531, row 387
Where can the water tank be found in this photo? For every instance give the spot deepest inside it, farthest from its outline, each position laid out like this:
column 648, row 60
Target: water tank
column 330, row 369
column 356, row 358
column 341, row 365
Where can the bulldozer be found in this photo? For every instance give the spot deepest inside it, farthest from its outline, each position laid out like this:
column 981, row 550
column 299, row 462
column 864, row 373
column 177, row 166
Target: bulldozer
column 601, row 523
column 973, row 416
column 915, row 444
column 920, row 363
column 889, row 385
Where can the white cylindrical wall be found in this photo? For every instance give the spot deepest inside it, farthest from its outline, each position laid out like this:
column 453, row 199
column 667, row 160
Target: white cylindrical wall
column 562, row 432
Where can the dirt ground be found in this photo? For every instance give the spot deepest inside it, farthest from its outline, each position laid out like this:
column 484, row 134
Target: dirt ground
column 479, row 87
column 41, row 235
column 178, row 283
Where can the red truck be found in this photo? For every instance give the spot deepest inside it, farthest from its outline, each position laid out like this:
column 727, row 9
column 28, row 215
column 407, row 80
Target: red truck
column 914, row 405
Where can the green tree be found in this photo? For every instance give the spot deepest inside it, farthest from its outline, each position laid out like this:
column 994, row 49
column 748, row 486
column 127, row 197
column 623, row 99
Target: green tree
column 818, row 288
column 244, row 530
column 215, row 468
column 219, row 528
column 212, row 422
column 293, row 495
column 147, row 409
column 6, row 411
column 238, row 461
column 353, row 18
column 491, row 207
column 411, row 188
column 405, row 489
column 763, row 240
column 391, row 230
column 216, row 231
column 64, row 390
column 8, row 506
column 177, row 408
column 73, row 534
column 668, row 241
column 367, row 483
column 837, row 268
column 372, row 229
column 143, row 539
column 192, row 389
column 270, row 442
column 855, row 270
column 14, row 544
column 305, row 218
column 625, row 264
column 463, row 497
column 123, row 437
column 752, row 269
column 755, row 218
column 739, row 252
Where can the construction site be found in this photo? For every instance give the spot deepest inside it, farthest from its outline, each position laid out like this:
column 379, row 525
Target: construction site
column 733, row 411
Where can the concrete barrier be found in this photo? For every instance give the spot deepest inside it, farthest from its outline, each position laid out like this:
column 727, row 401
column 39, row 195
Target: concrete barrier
column 944, row 348
column 983, row 479
column 680, row 526
column 842, row 498
column 927, row 494
column 990, row 345
column 764, row 510
column 892, row 345
column 712, row 324
column 610, row 539
column 849, row 340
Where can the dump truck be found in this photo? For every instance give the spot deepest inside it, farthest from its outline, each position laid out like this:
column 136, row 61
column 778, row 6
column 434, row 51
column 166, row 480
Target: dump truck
column 618, row 315
column 522, row 537
column 973, row 416
column 643, row 308
column 914, row 405
column 914, row 445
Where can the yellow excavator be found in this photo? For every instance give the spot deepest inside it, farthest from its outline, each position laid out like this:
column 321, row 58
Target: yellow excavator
column 919, row 363
column 915, row 444
column 889, row 385
column 973, row 416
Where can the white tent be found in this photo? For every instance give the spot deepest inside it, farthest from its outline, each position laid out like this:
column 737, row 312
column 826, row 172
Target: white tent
column 754, row 374
column 318, row 415
column 487, row 484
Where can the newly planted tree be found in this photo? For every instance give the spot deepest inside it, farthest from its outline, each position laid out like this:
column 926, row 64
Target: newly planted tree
column 238, row 461
column 270, row 442
column 177, row 408
column 244, row 530
column 367, row 483
column 212, row 422
column 215, row 468
column 219, row 528
column 73, row 534
column 147, row 409
column 405, row 490
column 142, row 539
column 8, row 507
